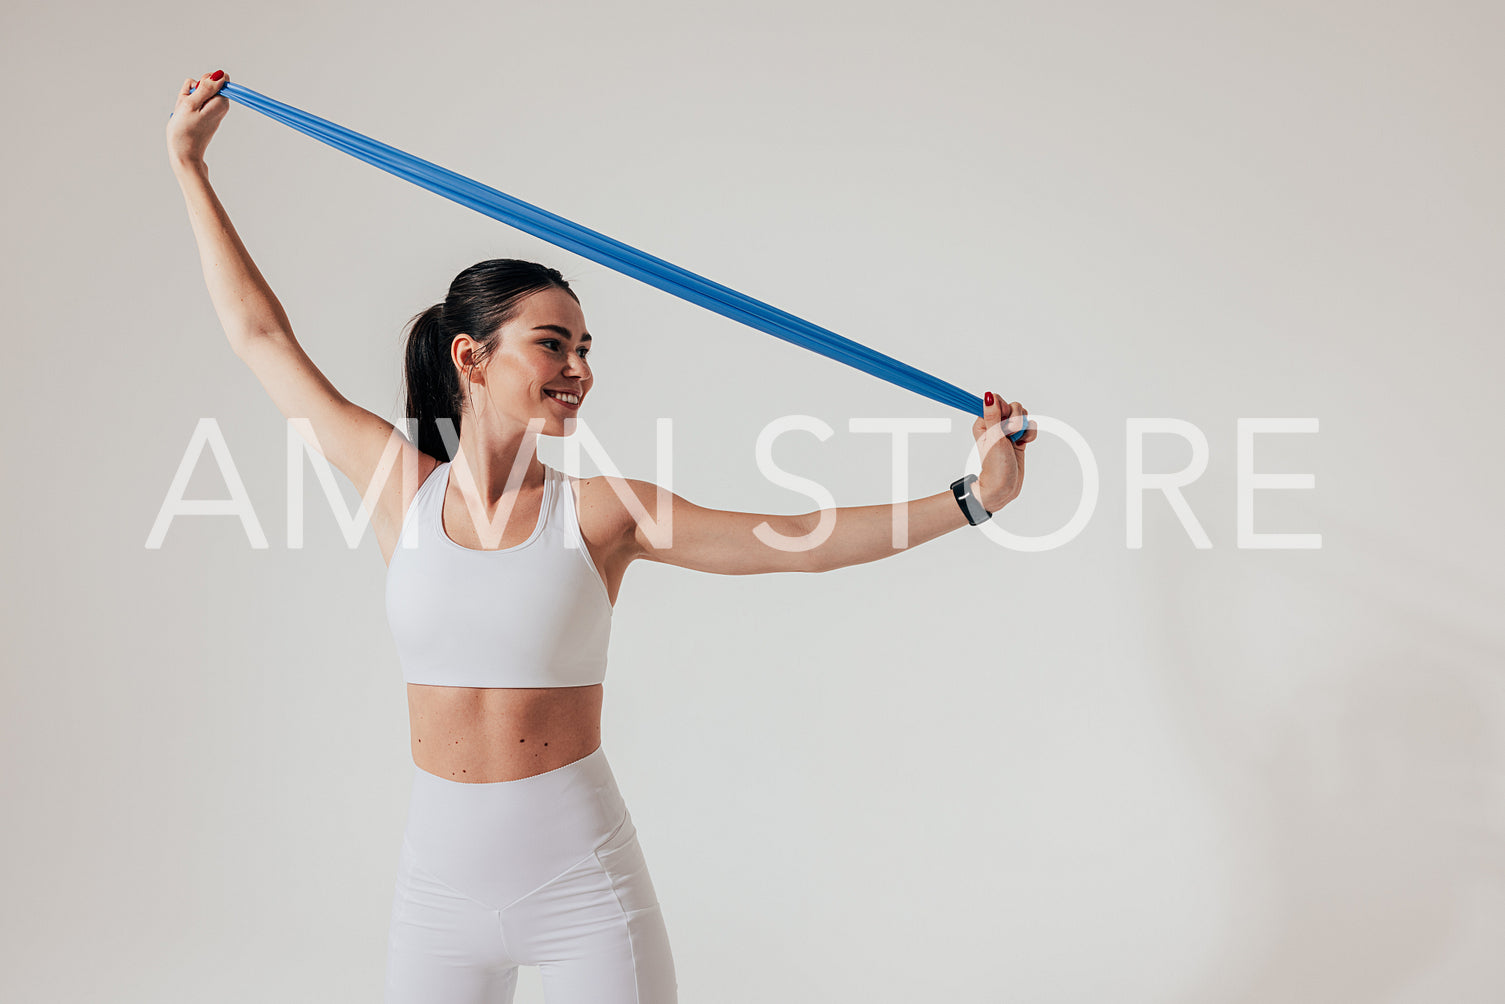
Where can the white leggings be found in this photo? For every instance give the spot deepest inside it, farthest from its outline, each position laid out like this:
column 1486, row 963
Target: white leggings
column 543, row 871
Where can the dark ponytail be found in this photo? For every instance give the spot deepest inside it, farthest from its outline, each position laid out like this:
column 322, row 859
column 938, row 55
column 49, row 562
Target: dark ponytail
column 481, row 299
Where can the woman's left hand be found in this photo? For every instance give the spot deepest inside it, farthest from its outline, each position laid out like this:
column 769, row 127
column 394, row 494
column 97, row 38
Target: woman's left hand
column 1002, row 459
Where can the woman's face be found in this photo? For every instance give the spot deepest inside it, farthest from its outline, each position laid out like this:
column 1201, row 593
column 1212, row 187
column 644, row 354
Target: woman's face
column 541, row 355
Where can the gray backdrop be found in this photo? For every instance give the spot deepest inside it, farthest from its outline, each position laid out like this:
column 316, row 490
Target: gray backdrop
column 965, row 773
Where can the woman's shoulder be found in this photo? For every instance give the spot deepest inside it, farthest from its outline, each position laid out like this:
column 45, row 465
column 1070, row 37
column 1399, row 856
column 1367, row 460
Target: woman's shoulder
column 609, row 505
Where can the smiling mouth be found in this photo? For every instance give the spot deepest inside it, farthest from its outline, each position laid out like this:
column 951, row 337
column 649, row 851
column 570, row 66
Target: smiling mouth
column 565, row 398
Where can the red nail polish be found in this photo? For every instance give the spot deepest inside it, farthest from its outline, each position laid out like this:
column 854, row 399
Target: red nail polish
column 988, row 400
column 216, row 74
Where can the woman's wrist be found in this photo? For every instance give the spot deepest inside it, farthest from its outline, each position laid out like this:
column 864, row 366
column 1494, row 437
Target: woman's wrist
column 992, row 499
column 188, row 166
column 992, row 503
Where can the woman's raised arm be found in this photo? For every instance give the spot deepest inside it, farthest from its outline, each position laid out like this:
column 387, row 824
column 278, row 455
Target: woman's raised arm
column 364, row 446
column 242, row 299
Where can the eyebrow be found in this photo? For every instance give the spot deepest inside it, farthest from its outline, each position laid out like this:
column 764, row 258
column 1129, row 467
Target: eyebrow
column 557, row 329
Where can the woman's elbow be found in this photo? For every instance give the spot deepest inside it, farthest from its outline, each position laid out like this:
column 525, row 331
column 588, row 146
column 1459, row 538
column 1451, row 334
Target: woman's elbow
column 796, row 544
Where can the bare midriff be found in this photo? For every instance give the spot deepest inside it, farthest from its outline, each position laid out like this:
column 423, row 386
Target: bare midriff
column 482, row 734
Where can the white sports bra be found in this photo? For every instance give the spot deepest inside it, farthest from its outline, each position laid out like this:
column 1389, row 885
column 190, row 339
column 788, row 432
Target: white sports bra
column 533, row 615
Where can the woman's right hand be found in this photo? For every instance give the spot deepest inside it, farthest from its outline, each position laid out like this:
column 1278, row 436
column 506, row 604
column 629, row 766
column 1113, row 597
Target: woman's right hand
column 195, row 117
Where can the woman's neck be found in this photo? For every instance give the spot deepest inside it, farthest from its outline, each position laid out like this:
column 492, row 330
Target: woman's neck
column 499, row 464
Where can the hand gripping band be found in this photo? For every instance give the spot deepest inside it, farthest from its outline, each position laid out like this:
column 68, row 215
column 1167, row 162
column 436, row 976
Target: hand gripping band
column 612, row 253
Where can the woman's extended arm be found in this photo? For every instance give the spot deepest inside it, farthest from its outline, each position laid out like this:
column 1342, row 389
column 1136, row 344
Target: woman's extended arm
column 741, row 543
column 866, row 533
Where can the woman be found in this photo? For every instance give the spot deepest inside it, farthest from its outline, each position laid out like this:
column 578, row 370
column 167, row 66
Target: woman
column 501, row 578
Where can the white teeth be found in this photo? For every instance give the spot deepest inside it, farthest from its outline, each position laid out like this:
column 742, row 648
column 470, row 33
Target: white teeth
column 563, row 396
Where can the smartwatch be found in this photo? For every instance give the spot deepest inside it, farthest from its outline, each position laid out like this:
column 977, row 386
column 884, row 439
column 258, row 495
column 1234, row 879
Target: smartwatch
column 970, row 504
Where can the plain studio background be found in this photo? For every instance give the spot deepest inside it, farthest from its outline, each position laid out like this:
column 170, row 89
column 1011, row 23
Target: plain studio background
column 965, row 773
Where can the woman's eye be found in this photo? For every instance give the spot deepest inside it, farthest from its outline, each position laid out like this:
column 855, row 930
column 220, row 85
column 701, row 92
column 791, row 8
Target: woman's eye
column 553, row 344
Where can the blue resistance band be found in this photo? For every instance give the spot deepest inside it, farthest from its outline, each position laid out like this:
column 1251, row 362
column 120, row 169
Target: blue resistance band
column 612, row 253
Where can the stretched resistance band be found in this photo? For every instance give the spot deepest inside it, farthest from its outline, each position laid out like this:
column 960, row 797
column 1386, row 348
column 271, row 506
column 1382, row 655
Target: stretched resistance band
column 612, row 253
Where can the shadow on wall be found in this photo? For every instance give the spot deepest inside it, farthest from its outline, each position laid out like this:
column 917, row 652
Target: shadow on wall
column 1346, row 714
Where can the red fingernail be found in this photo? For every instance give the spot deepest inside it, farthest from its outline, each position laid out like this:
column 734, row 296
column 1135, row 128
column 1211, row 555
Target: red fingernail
column 216, row 74
column 988, row 400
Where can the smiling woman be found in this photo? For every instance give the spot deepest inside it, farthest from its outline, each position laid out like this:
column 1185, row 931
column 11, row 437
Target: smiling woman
column 523, row 314
column 502, row 580
column 498, row 600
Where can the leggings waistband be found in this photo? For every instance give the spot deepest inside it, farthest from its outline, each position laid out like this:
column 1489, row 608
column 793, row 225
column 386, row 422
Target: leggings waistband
column 496, row 841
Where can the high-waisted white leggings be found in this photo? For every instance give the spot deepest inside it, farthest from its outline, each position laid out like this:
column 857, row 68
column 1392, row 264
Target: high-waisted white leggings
column 542, row 871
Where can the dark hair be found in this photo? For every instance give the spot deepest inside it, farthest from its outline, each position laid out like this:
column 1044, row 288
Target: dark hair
column 481, row 299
